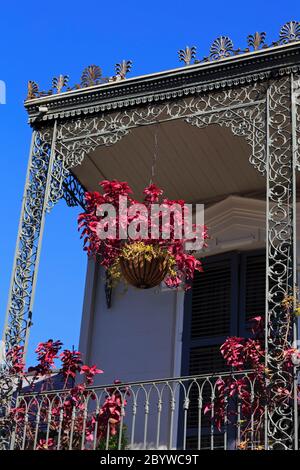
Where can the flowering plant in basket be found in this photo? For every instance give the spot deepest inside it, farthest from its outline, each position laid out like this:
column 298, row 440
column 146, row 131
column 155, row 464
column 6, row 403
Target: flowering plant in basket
column 142, row 243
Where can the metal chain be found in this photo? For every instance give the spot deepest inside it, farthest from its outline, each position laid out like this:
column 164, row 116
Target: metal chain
column 155, row 157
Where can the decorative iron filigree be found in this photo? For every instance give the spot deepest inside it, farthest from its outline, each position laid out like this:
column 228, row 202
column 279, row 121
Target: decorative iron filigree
column 77, row 137
column 32, row 90
column 296, row 117
column 8, row 386
column 246, row 122
column 59, row 83
column 281, row 258
column 221, row 47
column 59, row 174
column 72, row 152
column 123, row 68
column 256, row 40
column 289, row 32
column 187, row 55
column 92, row 75
column 28, row 245
column 73, row 192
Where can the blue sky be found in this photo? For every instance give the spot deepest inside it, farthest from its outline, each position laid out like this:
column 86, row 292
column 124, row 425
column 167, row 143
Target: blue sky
column 43, row 39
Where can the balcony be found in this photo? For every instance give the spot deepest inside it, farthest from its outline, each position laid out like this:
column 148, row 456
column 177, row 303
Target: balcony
column 205, row 117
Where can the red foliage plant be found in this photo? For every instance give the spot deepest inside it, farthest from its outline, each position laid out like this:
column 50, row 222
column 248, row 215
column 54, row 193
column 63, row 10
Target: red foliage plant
column 46, row 420
column 241, row 398
column 109, row 250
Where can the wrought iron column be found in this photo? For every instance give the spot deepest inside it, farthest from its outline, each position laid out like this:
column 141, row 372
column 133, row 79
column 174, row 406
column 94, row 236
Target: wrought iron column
column 25, row 266
column 29, row 239
column 281, row 417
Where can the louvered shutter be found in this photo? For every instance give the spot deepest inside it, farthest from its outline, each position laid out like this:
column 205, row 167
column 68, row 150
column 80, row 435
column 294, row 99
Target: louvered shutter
column 229, row 292
column 252, row 288
column 210, row 314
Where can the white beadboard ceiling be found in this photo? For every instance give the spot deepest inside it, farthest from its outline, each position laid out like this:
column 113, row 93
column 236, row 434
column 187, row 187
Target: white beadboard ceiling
column 198, row 165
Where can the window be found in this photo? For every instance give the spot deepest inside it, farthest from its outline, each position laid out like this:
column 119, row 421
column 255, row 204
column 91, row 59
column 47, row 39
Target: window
column 229, row 292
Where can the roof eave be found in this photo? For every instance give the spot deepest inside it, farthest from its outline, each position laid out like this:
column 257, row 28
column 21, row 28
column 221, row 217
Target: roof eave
column 130, row 91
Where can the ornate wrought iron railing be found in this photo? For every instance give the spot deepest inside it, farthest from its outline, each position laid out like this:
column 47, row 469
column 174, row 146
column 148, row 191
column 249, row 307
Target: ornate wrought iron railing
column 177, row 413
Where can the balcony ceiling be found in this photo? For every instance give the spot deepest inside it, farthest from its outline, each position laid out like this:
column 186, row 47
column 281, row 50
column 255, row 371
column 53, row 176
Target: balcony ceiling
column 198, row 165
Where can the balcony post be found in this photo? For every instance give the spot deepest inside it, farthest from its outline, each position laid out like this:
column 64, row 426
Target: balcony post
column 29, row 239
column 35, row 203
column 281, row 426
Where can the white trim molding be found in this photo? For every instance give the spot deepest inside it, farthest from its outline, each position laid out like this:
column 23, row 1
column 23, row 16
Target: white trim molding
column 235, row 223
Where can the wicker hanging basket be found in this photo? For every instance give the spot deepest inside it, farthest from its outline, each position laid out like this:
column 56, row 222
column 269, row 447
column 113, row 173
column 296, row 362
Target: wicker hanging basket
column 145, row 273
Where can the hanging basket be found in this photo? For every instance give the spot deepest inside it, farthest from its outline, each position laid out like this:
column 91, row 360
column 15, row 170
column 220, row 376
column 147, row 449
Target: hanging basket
column 144, row 273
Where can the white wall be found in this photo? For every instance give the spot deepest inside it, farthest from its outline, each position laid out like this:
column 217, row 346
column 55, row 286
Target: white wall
column 134, row 339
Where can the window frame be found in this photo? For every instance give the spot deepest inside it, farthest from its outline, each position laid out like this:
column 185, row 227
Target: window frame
column 238, row 264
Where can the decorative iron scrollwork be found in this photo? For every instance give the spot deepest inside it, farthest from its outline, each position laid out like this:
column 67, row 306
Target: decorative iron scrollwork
column 33, row 210
column 296, row 117
column 221, row 47
column 281, row 259
column 73, row 192
column 32, row 90
column 289, row 32
column 79, row 136
column 187, row 55
column 92, row 75
column 59, row 83
column 123, row 68
column 256, row 40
